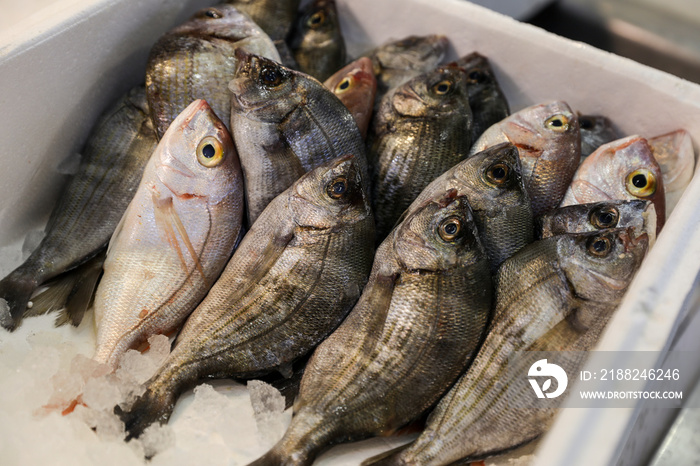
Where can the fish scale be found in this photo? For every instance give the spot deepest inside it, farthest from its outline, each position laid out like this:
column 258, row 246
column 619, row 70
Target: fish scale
column 196, row 59
column 85, row 217
column 410, row 147
column 549, row 298
column 285, row 130
column 175, row 236
column 414, row 329
column 294, row 277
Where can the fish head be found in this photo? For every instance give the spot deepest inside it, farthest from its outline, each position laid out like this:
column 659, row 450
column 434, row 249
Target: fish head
column 420, row 53
column 493, row 179
column 480, row 77
column 222, row 21
column 580, row 218
column 330, row 196
column 435, row 94
column 356, row 86
column 596, row 130
column 317, row 26
column 265, row 90
column 622, row 169
column 438, row 236
column 600, row 265
column 196, row 156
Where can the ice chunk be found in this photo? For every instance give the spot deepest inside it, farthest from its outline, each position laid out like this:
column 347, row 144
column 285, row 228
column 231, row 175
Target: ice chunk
column 138, row 368
column 102, row 393
column 31, row 242
column 106, row 425
column 268, row 406
column 157, row 438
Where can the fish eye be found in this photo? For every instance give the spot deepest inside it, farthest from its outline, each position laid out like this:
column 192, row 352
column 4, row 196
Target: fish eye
column 211, row 13
column 316, row 20
column 498, row 174
column 585, row 123
column 210, row 152
column 558, row 123
column 476, row 76
column 641, row 183
column 599, row 246
column 443, row 87
column 344, row 85
column 450, row 229
column 604, row 217
column 337, row 188
column 271, row 76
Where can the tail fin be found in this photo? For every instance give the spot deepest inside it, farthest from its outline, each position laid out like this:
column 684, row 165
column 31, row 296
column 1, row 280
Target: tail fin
column 70, row 293
column 15, row 291
column 388, row 458
column 147, row 409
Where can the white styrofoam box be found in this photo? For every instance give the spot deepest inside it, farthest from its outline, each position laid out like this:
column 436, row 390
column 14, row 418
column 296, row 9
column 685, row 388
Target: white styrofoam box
column 56, row 81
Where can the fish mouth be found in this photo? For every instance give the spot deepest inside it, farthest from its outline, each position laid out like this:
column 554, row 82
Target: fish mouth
column 649, row 216
column 610, row 282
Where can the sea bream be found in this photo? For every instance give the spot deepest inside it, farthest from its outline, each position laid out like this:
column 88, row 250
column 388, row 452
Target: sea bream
column 294, row 277
column 549, row 143
column 174, row 238
column 196, row 60
column 622, row 169
column 86, row 214
column 556, row 294
column 285, row 123
column 415, row 328
column 356, row 87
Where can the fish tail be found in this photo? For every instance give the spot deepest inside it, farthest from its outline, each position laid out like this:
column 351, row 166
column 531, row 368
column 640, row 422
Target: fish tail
column 15, row 291
column 305, row 438
column 388, row 458
column 153, row 406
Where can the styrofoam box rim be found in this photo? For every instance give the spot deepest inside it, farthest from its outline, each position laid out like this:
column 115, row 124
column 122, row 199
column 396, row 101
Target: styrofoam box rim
column 57, row 81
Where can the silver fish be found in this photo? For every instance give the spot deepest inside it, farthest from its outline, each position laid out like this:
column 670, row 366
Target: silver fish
column 196, row 59
column 492, row 182
column 420, row 130
column 622, row 169
column 581, row 218
column 285, row 123
column 294, row 277
column 175, row 237
column 556, row 294
column 549, row 142
column 418, row 322
column 87, row 211
column 596, row 130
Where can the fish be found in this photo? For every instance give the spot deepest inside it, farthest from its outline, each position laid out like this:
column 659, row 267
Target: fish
column 486, row 99
column 492, row 182
column 396, row 62
column 596, row 130
column 276, row 18
column 549, row 142
column 196, row 60
column 415, row 328
column 317, row 41
column 88, row 209
column 174, row 238
column 294, row 277
column 556, row 294
column 420, row 130
column 581, row 218
column 675, row 155
column 622, row 169
column 356, row 87
column 285, row 123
